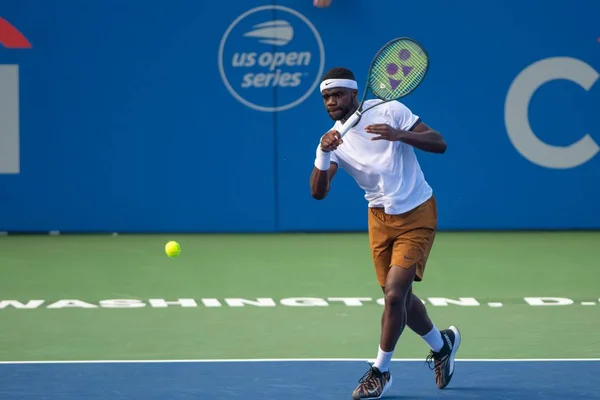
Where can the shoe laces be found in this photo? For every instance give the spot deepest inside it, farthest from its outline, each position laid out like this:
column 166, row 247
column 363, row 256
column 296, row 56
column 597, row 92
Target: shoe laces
column 368, row 375
column 435, row 360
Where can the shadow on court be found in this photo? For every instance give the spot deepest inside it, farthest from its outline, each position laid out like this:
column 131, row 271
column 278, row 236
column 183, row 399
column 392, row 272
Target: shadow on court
column 294, row 380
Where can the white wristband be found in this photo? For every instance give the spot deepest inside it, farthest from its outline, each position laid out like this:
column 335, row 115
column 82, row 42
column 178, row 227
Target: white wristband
column 322, row 160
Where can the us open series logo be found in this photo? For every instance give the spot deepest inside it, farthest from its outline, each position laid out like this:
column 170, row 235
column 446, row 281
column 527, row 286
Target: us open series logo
column 271, row 58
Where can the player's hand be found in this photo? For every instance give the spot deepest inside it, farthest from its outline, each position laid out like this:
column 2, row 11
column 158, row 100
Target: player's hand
column 330, row 141
column 321, row 3
column 384, row 132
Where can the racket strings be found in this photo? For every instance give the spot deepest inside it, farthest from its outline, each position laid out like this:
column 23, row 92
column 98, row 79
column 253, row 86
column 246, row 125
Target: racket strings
column 398, row 69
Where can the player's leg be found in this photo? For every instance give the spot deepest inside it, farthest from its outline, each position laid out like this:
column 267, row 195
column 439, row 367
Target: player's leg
column 375, row 382
column 443, row 344
column 419, row 322
column 397, row 288
column 378, row 379
column 418, row 242
column 417, row 319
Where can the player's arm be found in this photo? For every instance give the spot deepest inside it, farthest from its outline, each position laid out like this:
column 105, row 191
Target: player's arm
column 408, row 128
column 424, row 138
column 324, row 168
column 419, row 136
column 320, row 181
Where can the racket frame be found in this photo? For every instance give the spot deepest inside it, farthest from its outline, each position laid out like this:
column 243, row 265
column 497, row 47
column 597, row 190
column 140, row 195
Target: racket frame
column 355, row 117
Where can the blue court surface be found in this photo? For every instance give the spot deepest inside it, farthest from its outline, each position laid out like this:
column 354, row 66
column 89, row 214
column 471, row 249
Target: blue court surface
column 295, row 380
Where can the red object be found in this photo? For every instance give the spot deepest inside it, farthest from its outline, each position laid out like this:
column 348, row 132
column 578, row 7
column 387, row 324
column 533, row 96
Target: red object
column 11, row 37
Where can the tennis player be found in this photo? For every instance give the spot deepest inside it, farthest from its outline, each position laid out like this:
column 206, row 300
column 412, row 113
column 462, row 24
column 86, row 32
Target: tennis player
column 378, row 152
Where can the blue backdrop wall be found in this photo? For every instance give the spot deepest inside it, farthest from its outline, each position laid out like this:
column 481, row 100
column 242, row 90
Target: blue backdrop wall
column 187, row 116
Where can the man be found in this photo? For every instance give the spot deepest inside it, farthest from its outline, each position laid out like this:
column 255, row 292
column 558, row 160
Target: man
column 378, row 152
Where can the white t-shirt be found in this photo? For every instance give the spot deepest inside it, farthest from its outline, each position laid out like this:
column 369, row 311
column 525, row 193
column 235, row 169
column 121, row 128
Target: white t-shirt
column 388, row 172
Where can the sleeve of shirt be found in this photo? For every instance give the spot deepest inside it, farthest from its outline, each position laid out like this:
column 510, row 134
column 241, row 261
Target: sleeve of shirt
column 403, row 117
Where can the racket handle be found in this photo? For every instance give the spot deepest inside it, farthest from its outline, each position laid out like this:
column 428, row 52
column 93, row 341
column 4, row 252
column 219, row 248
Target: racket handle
column 349, row 123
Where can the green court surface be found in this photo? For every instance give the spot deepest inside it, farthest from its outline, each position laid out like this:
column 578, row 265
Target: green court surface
column 289, row 296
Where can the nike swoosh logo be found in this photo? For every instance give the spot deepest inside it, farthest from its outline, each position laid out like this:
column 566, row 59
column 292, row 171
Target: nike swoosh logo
column 374, row 390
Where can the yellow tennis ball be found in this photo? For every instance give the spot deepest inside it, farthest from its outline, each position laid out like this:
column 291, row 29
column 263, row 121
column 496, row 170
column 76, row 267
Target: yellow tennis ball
column 172, row 249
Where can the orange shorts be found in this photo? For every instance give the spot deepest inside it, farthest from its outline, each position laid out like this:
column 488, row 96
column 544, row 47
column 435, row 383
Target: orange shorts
column 402, row 240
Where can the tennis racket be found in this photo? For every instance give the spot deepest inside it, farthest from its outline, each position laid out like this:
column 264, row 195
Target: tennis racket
column 397, row 69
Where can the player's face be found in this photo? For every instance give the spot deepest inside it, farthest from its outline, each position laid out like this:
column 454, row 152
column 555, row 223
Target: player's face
column 338, row 102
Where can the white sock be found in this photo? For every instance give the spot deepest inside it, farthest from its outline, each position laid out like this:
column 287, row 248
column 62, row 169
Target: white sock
column 383, row 360
column 434, row 339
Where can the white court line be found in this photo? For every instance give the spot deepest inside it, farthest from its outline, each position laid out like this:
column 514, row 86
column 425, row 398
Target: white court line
column 267, row 360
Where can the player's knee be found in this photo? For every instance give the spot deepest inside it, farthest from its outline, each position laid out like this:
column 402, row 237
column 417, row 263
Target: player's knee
column 395, row 297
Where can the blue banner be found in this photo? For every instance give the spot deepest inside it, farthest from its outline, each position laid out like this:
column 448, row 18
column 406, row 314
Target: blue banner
column 151, row 117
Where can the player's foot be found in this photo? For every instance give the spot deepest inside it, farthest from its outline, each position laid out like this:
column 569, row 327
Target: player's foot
column 373, row 384
column 443, row 361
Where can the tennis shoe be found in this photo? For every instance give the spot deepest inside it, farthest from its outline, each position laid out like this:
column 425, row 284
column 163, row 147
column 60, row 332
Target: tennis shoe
column 373, row 384
column 442, row 362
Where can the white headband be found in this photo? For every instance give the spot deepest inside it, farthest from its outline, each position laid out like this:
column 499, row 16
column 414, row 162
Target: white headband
column 331, row 83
